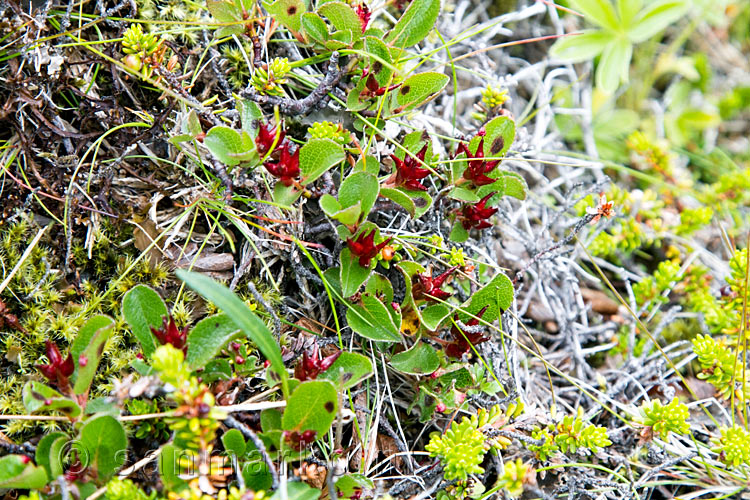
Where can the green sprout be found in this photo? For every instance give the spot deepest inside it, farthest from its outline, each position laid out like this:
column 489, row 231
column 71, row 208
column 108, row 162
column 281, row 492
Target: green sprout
column 268, row 80
column 328, row 130
column 733, row 446
column 573, row 433
column 515, row 474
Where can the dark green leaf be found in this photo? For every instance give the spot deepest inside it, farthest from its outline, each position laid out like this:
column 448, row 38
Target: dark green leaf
column 143, row 308
column 497, row 295
column 352, row 274
column 371, row 319
column 314, row 27
column 419, row 88
column 499, row 135
column 415, row 23
column 103, row 444
column 234, row 442
column 243, row 317
column 421, row 359
column 312, row 406
column 49, row 453
column 342, row 17
column 87, row 350
column 317, row 156
column 208, row 338
column 359, row 187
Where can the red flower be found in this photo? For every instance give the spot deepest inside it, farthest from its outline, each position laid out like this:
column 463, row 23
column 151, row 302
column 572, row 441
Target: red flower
column 311, row 366
column 464, row 339
column 298, row 440
column 478, row 167
column 57, row 370
column 266, row 135
column 363, row 11
column 409, row 172
column 364, row 247
column 287, row 168
column 170, row 334
column 428, row 288
column 475, row 216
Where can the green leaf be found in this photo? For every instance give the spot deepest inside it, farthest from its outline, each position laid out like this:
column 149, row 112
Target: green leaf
column 507, row 184
column 382, row 71
column 499, row 135
column 342, row 17
column 419, row 88
column 250, row 324
column 228, row 146
column 348, row 216
column 655, row 17
column 270, row 420
column 348, row 370
column 497, row 295
column 297, row 491
column 169, row 467
column 285, row 195
column 433, row 315
column 415, row 23
column 461, row 378
column 87, row 350
column 250, row 116
column 583, row 47
column 359, row 187
column 351, row 483
column 317, row 156
column 234, row 442
column 103, row 445
column 208, row 338
column 143, row 308
column 371, row 319
column 352, row 274
column 49, row 453
column 599, row 12
column 224, row 11
column 458, row 233
column 288, row 13
column 312, row 406
column 422, row 201
column 400, row 198
column 421, row 359
column 37, row 396
column 314, row 27
column 17, row 472
column 614, row 65
column 627, row 10
column 192, row 125
column 463, row 194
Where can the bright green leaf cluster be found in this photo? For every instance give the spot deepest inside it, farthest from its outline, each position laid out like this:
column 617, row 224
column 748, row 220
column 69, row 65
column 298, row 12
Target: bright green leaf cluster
column 574, row 432
column 328, row 130
column 461, row 449
column 718, row 363
column 513, row 477
column 125, row 489
column 268, row 80
column 733, row 446
column 665, row 419
column 652, row 287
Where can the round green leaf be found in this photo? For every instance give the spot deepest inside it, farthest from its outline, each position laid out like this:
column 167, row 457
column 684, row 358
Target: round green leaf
column 419, row 88
column 16, row 472
column 102, row 445
column 371, row 319
column 143, row 308
column 348, row 370
column 312, row 406
column 317, row 156
column 415, row 23
column 421, row 359
column 208, row 338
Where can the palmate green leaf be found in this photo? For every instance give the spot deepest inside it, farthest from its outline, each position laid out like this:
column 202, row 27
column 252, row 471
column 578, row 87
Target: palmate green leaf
column 419, row 88
column 415, row 23
column 245, row 319
column 102, row 446
column 317, row 156
column 614, row 65
column 208, row 338
column 342, row 17
column 348, row 370
column 143, row 308
column 370, row 319
column 87, row 350
column 583, row 47
column 312, row 406
column 17, row 472
column 287, row 12
column 655, row 17
column 599, row 12
column 37, row 396
column 421, row 359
